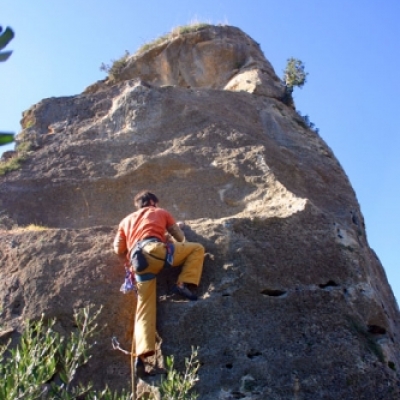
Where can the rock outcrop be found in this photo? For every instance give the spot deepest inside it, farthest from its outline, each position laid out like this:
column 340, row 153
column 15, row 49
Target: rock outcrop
column 293, row 304
column 216, row 58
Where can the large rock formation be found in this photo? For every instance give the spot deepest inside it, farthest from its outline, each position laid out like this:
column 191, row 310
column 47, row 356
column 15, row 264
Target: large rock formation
column 294, row 303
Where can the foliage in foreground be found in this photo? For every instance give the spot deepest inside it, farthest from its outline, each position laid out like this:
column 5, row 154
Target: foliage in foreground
column 5, row 38
column 177, row 386
column 44, row 365
column 6, row 138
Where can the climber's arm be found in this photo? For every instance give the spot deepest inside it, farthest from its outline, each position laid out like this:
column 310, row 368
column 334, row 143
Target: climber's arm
column 176, row 233
column 119, row 244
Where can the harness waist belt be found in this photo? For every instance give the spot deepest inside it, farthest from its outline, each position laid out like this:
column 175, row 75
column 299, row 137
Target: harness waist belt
column 144, row 277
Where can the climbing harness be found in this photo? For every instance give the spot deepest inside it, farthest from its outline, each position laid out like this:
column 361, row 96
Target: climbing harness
column 138, row 265
column 137, row 258
column 169, row 257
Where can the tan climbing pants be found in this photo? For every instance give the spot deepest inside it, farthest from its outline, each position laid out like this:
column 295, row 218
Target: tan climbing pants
column 188, row 254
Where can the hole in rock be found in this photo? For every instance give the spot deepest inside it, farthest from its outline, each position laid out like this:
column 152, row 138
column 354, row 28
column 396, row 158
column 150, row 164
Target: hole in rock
column 328, row 284
column 17, row 307
column 376, row 330
column 225, row 294
column 238, row 395
column 253, row 353
column 229, row 365
column 354, row 218
column 273, row 292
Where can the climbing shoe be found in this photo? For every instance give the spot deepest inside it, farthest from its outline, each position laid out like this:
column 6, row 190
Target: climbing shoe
column 184, row 292
column 139, row 368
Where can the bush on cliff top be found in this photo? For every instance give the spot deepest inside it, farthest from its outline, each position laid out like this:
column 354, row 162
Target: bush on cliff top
column 115, row 68
column 175, row 32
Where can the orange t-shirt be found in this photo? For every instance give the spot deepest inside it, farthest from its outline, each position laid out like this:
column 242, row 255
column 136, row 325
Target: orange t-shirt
column 146, row 222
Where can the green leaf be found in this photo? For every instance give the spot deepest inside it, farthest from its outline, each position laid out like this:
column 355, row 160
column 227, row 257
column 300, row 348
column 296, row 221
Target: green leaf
column 6, row 138
column 63, row 377
column 6, row 37
column 4, row 55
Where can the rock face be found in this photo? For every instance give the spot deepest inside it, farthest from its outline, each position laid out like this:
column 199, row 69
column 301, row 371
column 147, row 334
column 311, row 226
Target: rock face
column 294, row 303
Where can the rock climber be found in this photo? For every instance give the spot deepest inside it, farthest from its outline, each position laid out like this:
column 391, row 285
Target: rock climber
column 148, row 229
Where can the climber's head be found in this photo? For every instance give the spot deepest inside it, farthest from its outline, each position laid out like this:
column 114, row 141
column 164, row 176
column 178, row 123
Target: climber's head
column 145, row 199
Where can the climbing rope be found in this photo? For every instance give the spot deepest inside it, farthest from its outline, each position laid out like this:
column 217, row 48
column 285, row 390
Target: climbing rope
column 116, row 346
column 128, row 286
column 133, row 367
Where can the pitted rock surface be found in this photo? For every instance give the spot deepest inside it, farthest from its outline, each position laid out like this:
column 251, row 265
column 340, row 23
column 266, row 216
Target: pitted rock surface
column 292, row 303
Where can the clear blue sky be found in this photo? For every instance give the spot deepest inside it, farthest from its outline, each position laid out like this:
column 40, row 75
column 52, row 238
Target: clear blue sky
column 351, row 49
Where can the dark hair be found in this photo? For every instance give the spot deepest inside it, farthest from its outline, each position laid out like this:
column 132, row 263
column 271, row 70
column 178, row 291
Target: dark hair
column 143, row 199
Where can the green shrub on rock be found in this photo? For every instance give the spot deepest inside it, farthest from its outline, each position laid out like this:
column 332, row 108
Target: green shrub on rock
column 43, row 357
column 177, row 386
column 115, row 69
column 44, row 364
column 294, row 73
